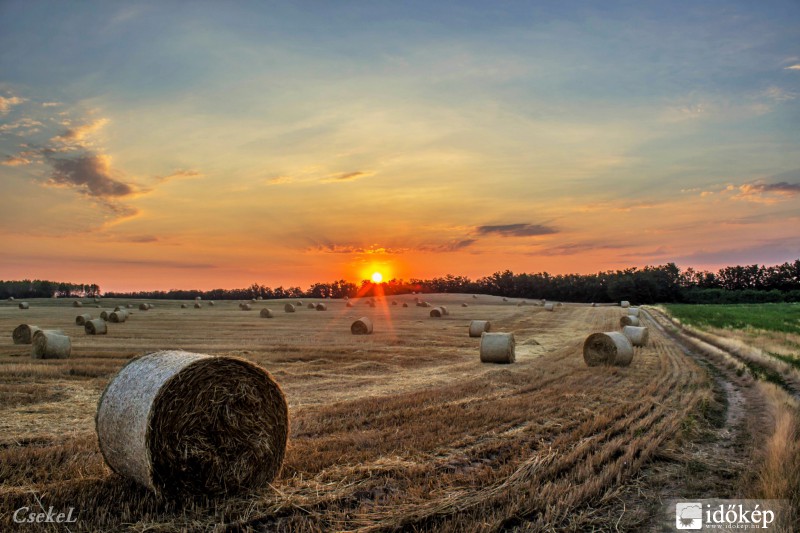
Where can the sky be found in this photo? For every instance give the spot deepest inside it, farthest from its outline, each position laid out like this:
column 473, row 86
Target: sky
column 159, row 145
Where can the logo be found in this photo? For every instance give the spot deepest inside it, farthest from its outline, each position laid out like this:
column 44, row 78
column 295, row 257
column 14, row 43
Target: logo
column 689, row 515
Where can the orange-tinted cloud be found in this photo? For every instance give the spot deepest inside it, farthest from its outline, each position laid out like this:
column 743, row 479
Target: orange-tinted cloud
column 516, row 230
column 88, row 173
column 6, row 103
column 347, row 176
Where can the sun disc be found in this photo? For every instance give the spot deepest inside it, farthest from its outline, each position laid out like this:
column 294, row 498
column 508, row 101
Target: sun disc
column 377, row 277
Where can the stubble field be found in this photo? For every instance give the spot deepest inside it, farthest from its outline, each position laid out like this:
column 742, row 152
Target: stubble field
column 402, row 429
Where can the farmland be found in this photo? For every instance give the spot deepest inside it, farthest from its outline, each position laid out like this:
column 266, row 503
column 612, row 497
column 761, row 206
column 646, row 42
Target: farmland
column 405, row 428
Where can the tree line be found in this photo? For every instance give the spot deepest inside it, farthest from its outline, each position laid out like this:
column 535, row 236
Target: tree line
column 651, row 284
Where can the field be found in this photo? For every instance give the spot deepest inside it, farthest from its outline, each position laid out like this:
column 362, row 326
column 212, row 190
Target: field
column 406, row 429
column 780, row 317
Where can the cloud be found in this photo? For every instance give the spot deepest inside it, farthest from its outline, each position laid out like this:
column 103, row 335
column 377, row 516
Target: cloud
column 516, row 230
column 6, row 103
column 50, row 104
column 793, row 67
column 89, row 173
column 27, row 124
column 78, row 134
column 333, row 248
column 453, row 246
column 280, row 180
column 764, row 193
column 15, row 161
column 347, row 176
column 779, row 95
column 139, row 239
column 179, row 174
column 578, row 248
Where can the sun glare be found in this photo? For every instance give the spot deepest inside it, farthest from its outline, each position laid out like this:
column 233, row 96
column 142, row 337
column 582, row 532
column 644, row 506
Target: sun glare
column 377, row 277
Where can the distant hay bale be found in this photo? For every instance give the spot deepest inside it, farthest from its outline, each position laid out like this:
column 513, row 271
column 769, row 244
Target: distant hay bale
column 349, row 304
column 211, row 304
column 497, row 348
column 624, row 304
column 129, row 306
column 609, row 348
column 81, row 319
column 394, row 302
column 405, row 304
column 299, row 302
column 197, row 298
column 117, row 317
column 23, row 334
column 310, row 305
column 151, row 306
column 260, row 298
column 637, row 335
column 549, row 306
column 633, row 311
column 98, row 326
column 24, row 305
column 362, row 326
column 144, row 307
column 444, row 309
column 76, row 303
column 10, row 298
column 559, row 304
column 436, row 312
column 477, row 327
column 266, row 313
column 178, row 422
column 465, row 304
column 198, row 305
column 594, row 305
column 321, row 307
column 246, row 307
column 50, row 344
column 104, row 315
column 183, row 306
column 475, row 296
column 288, row 308
column 628, row 321
column 423, row 304
column 97, row 307
column 346, row 298
column 253, row 300
column 505, row 299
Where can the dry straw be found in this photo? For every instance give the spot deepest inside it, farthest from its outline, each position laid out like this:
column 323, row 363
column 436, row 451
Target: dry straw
column 288, row 308
column 362, row 326
column 266, row 313
column 76, row 303
column 549, row 306
column 178, row 422
column 50, row 344
column 118, row 317
column 436, row 312
column 321, row 307
column 23, row 334
column 628, row 320
column 98, row 326
column 637, row 335
column 81, row 319
column 477, row 327
column 609, row 348
column 24, row 305
column 633, row 311
column 497, row 348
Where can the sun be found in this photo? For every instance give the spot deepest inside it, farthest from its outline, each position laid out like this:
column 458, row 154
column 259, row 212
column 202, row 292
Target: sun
column 377, row 277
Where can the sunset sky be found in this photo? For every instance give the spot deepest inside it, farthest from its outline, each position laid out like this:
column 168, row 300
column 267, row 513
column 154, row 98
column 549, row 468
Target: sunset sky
column 158, row 145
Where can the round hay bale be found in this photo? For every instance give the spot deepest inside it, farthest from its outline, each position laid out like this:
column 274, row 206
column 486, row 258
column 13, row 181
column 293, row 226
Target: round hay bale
column 549, row 306
column 477, row 327
column 10, row 298
column 198, row 305
column 288, row 308
column 628, row 320
column 346, row 298
column 253, row 300
column 394, row 302
column 197, row 298
column 299, row 302
column 50, row 344
column 24, row 305
column 260, row 298
column 559, row 304
column 609, row 348
column 23, row 334
column 349, row 304
column 266, row 313
column 505, row 299
column 310, row 305
column 76, row 303
column 179, row 422
column 475, row 296
column 97, row 307
column 81, row 319
column 624, row 304
column 594, row 305
column 104, row 315
column 129, row 306
column 98, row 326
column 118, row 317
column 246, row 307
column 118, row 308
column 144, row 307
column 405, row 304
column 637, row 335
column 497, row 348
column 464, row 304
column 321, row 307
column 436, row 312
column 633, row 311
column 183, row 306
column 362, row 326
column 211, row 304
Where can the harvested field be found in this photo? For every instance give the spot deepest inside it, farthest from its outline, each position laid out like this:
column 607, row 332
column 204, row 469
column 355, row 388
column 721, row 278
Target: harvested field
column 404, row 429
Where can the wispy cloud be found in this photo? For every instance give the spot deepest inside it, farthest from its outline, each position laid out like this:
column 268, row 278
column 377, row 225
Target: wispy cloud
column 452, row 246
column 50, row 104
column 334, row 248
column 792, row 67
column 280, row 180
column 516, row 230
column 347, row 176
column 578, row 248
column 23, row 126
column 778, row 94
column 77, row 135
column 764, row 193
column 179, row 174
column 7, row 102
column 15, row 161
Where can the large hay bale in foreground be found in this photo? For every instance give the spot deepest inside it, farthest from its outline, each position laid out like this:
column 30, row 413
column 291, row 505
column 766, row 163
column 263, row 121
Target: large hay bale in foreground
column 477, row 327
column 81, row 319
column 24, row 305
column 362, row 326
column 549, row 306
column 609, row 348
column 436, row 312
column 498, row 348
column 118, row 317
column 98, row 326
column 178, row 422
column 23, row 334
column 76, row 303
column 50, row 344
column 628, row 321
column 637, row 335
column 288, row 308
column 266, row 313
column 321, row 307
column 633, row 311
column 624, row 304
